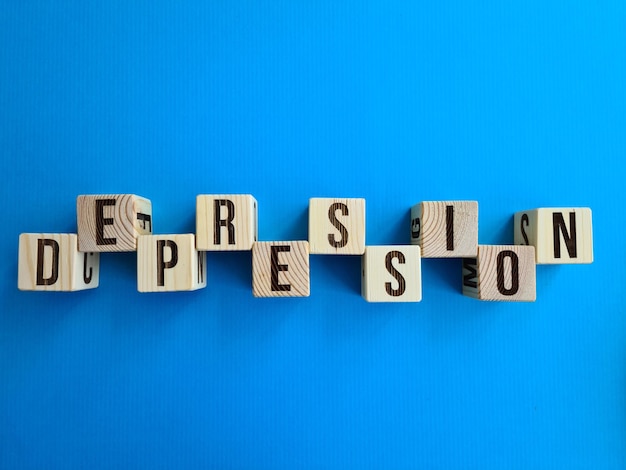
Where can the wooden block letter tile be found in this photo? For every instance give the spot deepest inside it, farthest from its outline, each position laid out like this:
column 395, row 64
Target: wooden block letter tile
column 52, row 262
column 559, row 235
column 445, row 229
column 501, row 272
column 112, row 222
column 226, row 222
column 391, row 274
column 280, row 269
column 337, row 226
column 168, row 263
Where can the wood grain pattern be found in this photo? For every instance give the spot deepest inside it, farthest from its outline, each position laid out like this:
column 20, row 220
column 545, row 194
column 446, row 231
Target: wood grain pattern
column 169, row 263
column 52, row 262
column 391, row 273
column 445, row 229
column 501, row 272
column 337, row 226
column 280, row 269
column 112, row 222
column 560, row 235
column 226, row 222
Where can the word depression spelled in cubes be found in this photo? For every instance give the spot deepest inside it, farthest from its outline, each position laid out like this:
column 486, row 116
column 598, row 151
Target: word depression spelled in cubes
column 229, row 222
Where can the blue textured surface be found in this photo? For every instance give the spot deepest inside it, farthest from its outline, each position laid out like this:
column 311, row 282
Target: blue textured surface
column 517, row 105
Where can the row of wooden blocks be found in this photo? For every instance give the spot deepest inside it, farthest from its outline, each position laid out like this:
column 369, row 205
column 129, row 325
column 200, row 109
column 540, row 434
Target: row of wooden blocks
column 392, row 273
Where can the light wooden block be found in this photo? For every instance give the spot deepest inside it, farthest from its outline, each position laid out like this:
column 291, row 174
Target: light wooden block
column 226, row 222
column 112, row 222
column 501, row 272
column 168, row 263
column 391, row 274
column 337, row 226
column 52, row 262
column 559, row 235
column 280, row 269
column 445, row 229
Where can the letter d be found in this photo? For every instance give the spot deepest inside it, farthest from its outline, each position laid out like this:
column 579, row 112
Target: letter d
column 54, row 276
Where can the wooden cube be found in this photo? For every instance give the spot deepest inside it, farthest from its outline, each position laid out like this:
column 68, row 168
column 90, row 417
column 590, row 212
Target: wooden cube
column 226, row 222
column 168, row 263
column 337, row 226
column 280, row 269
column 445, row 229
column 391, row 274
column 112, row 222
column 501, row 272
column 559, row 235
column 52, row 262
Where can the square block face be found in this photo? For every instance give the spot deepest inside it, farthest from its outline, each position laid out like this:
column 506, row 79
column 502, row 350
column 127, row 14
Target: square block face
column 391, row 274
column 337, row 226
column 501, row 272
column 112, row 222
column 169, row 263
column 559, row 235
column 226, row 222
column 445, row 229
column 52, row 262
column 280, row 269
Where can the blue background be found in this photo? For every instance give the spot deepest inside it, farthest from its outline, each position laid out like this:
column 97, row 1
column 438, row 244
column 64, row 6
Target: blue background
column 517, row 105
